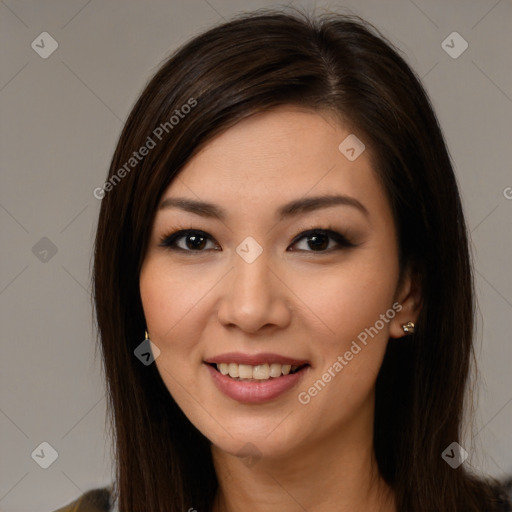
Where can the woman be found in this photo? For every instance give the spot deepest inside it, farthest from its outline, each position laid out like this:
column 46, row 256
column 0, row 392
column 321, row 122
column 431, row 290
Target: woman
column 283, row 285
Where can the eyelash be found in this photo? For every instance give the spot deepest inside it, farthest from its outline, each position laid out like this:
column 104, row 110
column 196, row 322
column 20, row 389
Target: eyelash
column 169, row 241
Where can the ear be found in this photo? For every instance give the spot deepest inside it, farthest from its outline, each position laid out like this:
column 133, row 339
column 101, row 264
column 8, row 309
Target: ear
column 409, row 297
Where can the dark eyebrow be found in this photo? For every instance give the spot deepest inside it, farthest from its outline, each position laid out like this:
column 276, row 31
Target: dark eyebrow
column 309, row 204
column 295, row 207
column 191, row 205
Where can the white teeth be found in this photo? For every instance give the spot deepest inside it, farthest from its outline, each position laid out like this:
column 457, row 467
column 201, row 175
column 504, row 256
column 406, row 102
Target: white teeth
column 244, row 371
column 233, row 370
column 275, row 370
column 261, row 372
column 258, row 372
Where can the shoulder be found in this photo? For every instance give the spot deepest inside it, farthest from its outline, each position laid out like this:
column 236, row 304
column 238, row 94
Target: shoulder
column 95, row 500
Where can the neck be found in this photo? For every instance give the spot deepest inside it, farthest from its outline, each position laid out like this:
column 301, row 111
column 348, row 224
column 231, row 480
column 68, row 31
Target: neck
column 339, row 472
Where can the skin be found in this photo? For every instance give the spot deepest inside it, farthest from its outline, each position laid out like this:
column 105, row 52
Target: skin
column 292, row 300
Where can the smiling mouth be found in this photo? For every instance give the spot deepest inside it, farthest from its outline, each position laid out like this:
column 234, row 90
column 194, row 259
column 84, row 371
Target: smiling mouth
column 257, row 373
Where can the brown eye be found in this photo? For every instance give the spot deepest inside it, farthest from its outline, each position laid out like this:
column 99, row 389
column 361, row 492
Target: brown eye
column 195, row 242
column 189, row 241
column 320, row 240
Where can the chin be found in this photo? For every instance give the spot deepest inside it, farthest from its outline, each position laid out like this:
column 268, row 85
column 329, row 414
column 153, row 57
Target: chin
column 253, row 436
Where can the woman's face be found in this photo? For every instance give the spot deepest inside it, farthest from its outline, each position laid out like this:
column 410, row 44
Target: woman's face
column 291, row 260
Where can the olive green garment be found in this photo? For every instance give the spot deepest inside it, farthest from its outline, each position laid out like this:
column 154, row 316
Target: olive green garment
column 96, row 500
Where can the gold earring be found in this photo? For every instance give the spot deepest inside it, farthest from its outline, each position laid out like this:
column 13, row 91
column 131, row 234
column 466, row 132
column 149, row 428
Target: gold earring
column 147, row 337
column 408, row 327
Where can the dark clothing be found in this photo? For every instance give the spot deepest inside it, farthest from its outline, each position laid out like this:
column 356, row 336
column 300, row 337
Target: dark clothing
column 96, row 500
column 99, row 500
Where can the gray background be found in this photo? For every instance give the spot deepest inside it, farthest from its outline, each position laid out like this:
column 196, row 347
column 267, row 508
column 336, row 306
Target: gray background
column 61, row 117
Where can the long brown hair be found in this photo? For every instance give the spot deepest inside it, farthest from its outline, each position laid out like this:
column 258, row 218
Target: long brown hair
column 252, row 63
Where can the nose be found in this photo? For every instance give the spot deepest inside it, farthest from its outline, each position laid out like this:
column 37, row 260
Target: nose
column 254, row 298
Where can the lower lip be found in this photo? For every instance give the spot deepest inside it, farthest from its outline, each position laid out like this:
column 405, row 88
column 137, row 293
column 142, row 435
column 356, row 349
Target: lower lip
column 254, row 392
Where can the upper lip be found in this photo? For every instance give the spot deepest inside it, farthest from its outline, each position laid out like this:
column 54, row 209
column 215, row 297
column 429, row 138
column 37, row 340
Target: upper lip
column 254, row 359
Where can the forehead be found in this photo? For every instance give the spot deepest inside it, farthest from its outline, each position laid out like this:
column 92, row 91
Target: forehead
column 277, row 156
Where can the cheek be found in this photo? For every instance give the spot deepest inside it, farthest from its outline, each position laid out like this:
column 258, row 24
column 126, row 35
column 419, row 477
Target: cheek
column 172, row 308
column 353, row 308
column 349, row 347
column 348, row 300
column 170, row 299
